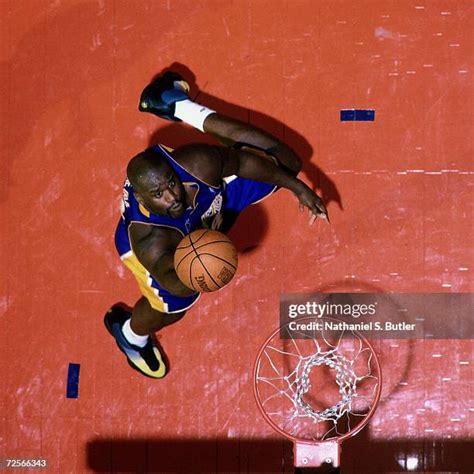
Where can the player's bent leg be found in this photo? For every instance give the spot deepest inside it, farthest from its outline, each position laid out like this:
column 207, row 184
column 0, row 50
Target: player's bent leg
column 295, row 167
column 286, row 158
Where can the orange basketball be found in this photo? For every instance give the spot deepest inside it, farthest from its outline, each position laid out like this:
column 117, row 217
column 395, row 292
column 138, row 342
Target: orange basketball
column 205, row 260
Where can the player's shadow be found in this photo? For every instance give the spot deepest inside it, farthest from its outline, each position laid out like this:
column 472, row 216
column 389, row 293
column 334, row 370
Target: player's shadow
column 252, row 225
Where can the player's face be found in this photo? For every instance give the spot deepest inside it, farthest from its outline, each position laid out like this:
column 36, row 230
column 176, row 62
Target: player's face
column 164, row 194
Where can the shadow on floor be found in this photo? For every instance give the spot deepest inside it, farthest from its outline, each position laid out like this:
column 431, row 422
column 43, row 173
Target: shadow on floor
column 192, row 456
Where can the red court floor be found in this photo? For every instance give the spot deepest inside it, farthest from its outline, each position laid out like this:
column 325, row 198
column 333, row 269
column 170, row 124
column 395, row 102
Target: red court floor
column 399, row 192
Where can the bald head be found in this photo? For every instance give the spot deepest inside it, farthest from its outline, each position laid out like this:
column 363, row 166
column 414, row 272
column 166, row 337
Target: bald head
column 156, row 186
column 146, row 166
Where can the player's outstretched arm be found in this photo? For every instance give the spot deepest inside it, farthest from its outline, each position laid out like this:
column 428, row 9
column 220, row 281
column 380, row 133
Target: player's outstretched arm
column 154, row 248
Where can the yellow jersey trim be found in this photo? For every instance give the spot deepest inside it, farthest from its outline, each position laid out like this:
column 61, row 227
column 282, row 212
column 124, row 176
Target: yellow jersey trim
column 144, row 210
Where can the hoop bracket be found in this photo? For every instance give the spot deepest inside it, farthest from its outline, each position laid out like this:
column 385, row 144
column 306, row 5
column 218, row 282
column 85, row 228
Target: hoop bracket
column 316, row 454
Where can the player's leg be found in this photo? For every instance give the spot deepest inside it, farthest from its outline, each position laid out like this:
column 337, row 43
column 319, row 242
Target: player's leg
column 167, row 97
column 133, row 330
column 145, row 320
column 237, row 134
column 280, row 155
column 142, row 353
column 133, row 333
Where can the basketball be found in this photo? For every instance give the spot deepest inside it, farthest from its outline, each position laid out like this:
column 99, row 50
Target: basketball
column 205, row 260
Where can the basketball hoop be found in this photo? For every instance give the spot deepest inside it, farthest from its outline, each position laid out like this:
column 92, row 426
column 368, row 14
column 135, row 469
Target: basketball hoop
column 317, row 387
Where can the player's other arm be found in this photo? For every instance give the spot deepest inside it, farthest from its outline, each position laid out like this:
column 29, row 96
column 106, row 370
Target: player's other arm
column 155, row 248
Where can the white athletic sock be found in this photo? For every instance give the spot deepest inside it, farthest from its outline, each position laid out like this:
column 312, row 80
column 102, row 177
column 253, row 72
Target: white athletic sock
column 131, row 337
column 192, row 113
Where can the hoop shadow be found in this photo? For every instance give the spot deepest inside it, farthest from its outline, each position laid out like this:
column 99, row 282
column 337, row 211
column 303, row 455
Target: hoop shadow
column 359, row 455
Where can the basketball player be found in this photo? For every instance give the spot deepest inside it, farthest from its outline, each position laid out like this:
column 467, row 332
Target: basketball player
column 169, row 193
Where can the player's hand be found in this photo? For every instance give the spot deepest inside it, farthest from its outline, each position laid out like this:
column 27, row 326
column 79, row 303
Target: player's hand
column 308, row 198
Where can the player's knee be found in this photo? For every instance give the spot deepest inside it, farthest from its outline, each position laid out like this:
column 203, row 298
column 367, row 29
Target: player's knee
column 144, row 312
column 173, row 317
column 298, row 165
column 293, row 168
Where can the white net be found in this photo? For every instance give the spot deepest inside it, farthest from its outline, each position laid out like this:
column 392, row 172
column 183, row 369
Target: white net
column 319, row 386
